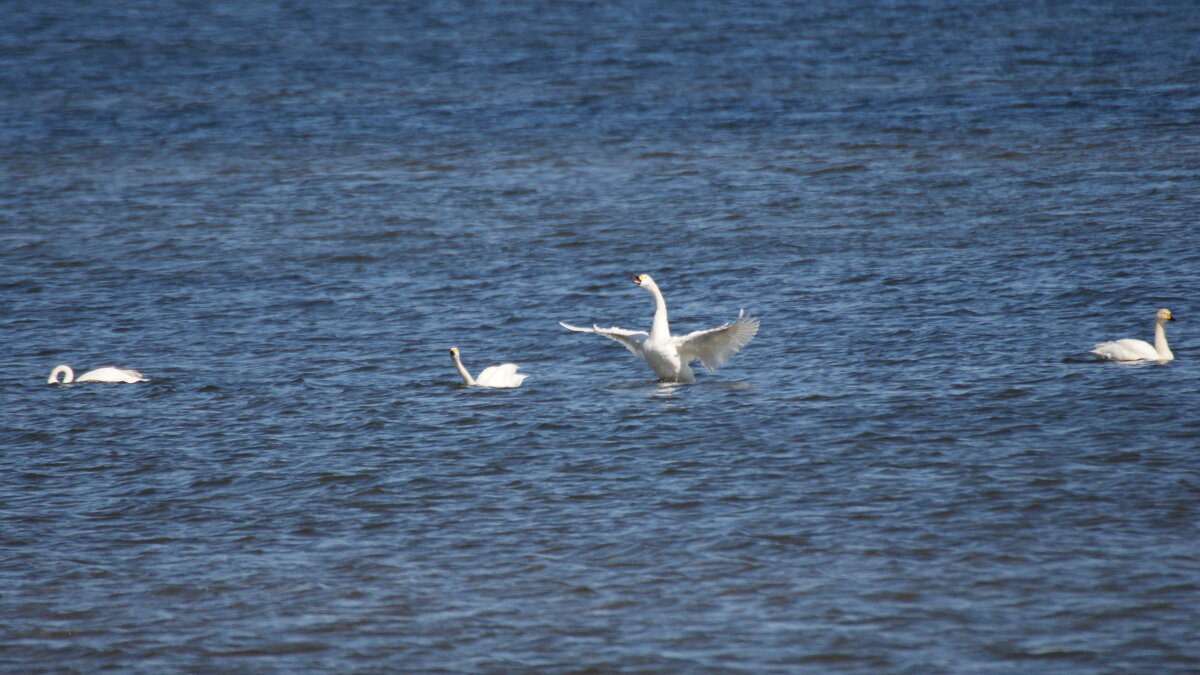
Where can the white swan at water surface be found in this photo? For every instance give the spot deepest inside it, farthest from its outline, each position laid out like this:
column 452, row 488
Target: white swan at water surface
column 106, row 374
column 503, row 376
column 1139, row 350
column 669, row 356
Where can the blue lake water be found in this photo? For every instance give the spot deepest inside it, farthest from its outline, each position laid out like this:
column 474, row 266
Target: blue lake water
column 284, row 214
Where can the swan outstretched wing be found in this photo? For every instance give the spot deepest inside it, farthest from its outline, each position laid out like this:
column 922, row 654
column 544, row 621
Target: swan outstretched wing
column 631, row 339
column 715, row 345
column 504, row 375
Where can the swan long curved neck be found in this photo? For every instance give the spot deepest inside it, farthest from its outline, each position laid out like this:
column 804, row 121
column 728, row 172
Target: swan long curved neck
column 462, row 370
column 659, row 329
column 68, row 375
column 1160, row 341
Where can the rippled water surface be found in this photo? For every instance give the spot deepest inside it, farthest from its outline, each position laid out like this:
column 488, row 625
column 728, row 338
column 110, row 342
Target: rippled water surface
column 285, row 213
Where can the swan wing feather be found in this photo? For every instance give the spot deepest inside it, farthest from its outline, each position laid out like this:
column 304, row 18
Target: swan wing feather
column 111, row 374
column 630, row 339
column 715, row 345
column 504, row 375
column 1125, row 350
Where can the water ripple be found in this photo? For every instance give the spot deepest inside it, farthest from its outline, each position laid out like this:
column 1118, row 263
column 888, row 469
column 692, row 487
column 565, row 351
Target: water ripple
column 285, row 216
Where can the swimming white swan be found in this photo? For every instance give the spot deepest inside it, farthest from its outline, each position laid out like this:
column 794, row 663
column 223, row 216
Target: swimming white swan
column 669, row 356
column 106, row 374
column 503, row 376
column 1138, row 350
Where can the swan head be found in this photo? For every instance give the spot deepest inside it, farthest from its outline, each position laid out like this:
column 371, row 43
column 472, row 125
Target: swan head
column 1163, row 315
column 454, row 352
column 644, row 281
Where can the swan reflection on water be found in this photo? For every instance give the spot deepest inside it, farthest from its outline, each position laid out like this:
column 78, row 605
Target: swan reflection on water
column 665, row 389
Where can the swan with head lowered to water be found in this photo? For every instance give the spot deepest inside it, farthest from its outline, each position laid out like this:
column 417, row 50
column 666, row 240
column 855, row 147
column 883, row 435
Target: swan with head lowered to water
column 503, row 376
column 667, row 355
column 106, row 374
column 1140, row 350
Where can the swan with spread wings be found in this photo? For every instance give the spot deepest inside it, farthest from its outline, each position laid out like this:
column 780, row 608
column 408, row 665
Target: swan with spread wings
column 670, row 355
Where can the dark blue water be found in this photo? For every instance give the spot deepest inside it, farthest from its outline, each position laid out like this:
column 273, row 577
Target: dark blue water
column 284, row 213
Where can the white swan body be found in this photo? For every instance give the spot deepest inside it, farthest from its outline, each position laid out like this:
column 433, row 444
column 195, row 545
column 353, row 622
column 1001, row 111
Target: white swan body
column 503, row 376
column 669, row 356
column 106, row 374
column 1140, row 350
